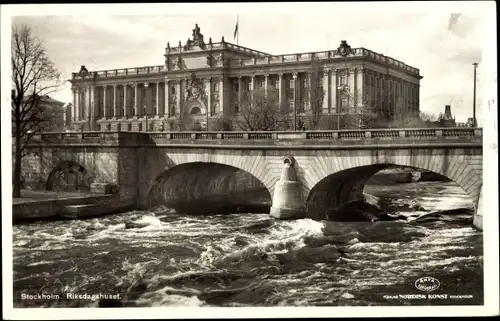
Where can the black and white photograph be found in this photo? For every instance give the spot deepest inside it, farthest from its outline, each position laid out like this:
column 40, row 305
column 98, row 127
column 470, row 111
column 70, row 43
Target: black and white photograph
column 324, row 159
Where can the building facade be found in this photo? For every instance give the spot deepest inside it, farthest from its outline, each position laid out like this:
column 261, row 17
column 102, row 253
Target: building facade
column 205, row 80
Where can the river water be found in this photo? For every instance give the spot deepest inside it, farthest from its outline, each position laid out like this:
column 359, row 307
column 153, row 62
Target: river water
column 169, row 259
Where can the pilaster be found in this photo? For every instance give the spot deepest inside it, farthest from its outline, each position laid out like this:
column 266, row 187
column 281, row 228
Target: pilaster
column 222, row 96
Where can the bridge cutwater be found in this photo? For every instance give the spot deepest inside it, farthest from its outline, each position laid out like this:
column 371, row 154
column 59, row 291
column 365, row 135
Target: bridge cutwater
column 298, row 170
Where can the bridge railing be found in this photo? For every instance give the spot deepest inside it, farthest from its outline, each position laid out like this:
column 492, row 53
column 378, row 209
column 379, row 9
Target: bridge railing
column 357, row 134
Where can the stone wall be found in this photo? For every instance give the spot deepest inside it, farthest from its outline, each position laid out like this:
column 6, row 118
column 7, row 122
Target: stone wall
column 53, row 209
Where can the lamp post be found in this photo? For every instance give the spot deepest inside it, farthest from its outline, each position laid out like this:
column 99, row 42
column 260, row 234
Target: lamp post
column 474, row 122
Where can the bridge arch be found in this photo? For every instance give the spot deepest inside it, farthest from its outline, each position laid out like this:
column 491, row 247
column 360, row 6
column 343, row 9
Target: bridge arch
column 340, row 178
column 208, row 188
column 69, row 176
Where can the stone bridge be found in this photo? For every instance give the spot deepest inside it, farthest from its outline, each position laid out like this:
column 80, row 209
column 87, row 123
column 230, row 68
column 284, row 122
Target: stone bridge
column 294, row 170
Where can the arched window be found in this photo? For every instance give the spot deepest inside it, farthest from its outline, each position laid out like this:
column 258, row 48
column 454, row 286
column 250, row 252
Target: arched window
column 195, row 111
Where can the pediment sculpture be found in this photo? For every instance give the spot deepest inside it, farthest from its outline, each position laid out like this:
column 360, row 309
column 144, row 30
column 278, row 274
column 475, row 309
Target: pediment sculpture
column 197, row 39
column 195, row 89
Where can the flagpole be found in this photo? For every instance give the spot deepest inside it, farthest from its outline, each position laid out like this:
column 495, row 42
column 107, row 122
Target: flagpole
column 238, row 31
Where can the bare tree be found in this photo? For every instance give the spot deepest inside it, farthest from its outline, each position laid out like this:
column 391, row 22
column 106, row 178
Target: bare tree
column 259, row 111
column 221, row 123
column 315, row 94
column 358, row 111
column 34, row 76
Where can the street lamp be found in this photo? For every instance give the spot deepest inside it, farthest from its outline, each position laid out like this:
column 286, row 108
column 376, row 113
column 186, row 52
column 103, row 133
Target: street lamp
column 474, row 123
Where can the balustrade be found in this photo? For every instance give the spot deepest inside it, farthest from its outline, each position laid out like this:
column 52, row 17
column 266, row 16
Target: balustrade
column 398, row 135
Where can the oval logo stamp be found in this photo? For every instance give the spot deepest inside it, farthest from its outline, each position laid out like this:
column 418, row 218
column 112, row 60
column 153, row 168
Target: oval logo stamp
column 427, row 284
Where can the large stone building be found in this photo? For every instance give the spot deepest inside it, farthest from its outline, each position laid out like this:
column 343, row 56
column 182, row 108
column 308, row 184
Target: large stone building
column 204, row 80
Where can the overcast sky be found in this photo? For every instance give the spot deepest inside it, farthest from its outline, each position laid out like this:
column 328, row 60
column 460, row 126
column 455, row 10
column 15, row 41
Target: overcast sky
column 422, row 39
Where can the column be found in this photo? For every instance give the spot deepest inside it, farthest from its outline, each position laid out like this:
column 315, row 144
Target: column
column 252, row 87
column 148, row 102
column 115, row 103
column 126, row 113
column 221, row 96
column 167, row 99
column 73, row 108
column 417, row 99
column 352, row 89
column 239, row 91
column 266, row 84
column 309, row 91
column 136, row 100
column 157, row 113
column 178, row 100
column 91, row 107
column 360, row 89
column 280, row 91
column 294, row 99
column 84, row 104
column 333, row 92
column 105, row 113
column 326, row 91
column 209, row 99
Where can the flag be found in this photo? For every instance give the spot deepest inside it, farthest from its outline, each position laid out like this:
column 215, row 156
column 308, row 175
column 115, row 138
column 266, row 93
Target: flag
column 453, row 20
column 236, row 29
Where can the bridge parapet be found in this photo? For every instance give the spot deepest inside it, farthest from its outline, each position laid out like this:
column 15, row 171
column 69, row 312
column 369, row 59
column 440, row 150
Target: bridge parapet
column 329, row 137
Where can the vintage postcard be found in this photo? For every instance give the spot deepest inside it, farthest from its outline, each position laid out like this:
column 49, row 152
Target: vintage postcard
column 213, row 160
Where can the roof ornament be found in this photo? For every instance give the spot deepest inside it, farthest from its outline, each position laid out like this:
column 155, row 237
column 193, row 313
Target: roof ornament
column 83, row 72
column 344, row 49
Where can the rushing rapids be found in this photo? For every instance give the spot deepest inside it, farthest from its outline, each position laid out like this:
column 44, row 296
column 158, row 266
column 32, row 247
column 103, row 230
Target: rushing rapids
column 160, row 258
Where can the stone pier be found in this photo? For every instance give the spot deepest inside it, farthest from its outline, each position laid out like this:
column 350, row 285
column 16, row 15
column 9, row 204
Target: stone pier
column 288, row 202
